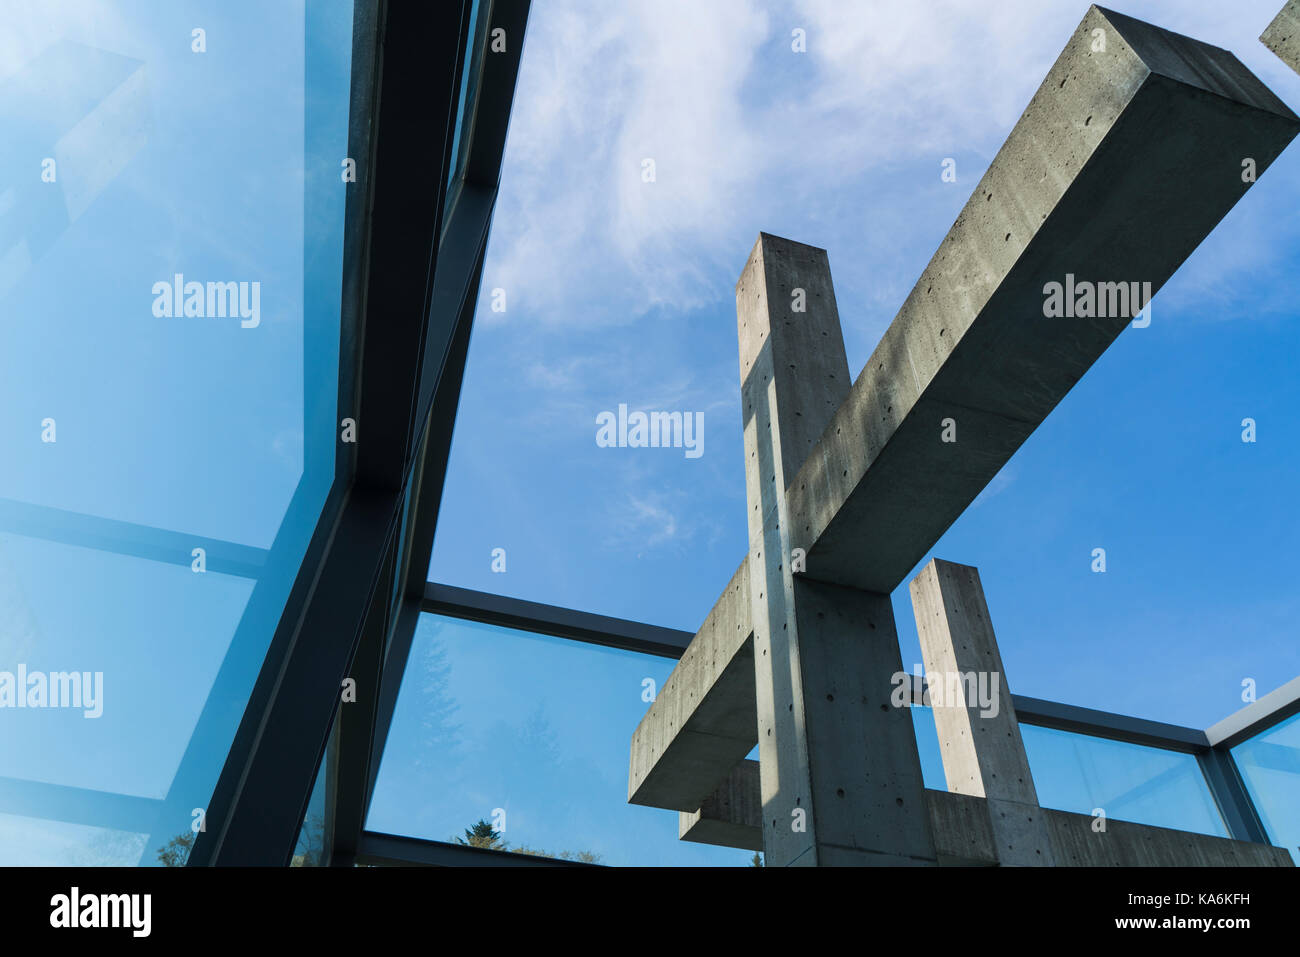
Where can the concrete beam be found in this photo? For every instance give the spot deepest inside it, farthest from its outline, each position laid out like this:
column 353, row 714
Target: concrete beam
column 979, row 734
column 732, row 816
column 1283, row 35
column 703, row 720
column 963, row 835
column 1125, row 844
column 1123, row 162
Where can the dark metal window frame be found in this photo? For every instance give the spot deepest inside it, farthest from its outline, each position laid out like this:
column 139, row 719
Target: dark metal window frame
column 414, row 293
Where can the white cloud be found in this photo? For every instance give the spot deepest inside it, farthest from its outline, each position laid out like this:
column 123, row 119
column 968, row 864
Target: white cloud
column 746, row 134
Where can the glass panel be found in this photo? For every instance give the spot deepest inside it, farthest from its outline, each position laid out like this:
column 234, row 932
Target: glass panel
column 525, row 737
column 46, row 843
column 171, row 237
column 1270, row 766
column 313, row 837
column 1129, row 782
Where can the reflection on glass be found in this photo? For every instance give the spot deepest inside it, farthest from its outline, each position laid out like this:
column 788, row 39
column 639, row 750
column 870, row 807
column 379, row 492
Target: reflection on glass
column 170, row 282
column 1129, row 782
column 398, row 575
column 1270, row 766
column 313, row 848
column 507, row 739
column 468, row 93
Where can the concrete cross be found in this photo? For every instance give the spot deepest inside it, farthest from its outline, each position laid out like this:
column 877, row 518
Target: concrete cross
column 1128, row 155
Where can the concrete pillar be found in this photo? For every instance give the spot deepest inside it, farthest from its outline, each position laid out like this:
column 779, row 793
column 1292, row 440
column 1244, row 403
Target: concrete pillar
column 840, row 775
column 979, row 736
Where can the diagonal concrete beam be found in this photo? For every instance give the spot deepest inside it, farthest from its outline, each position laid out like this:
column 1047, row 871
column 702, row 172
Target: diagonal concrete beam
column 1283, row 35
column 964, row 836
column 1122, row 163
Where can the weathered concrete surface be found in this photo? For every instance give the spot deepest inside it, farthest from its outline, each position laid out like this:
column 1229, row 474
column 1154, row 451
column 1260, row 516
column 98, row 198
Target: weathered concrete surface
column 788, row 284
column 823, row 654
column 702, row 721
column 1120, row 166
column 979, row 740
column 963, row 835
column 981, row 749
column 1124, row 844
column 732, row 816
column 1283, row 35
column 862, row 766
column 710, row 695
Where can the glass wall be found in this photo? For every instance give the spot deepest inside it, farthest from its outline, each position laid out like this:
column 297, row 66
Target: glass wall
column 170, row 283
column 527, row 737
column 1270, row 766
column 1128, row 782
column 313, row 848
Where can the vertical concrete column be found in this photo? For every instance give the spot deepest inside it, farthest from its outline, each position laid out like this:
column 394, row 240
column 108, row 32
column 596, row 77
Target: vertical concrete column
column 839, row 771
column 979, row 736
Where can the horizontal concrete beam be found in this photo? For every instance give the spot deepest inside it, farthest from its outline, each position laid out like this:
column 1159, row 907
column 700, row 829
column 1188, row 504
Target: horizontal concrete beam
column 704, row 719
column 1283, row 35
column 1123, row 162
column 963, row 833
column 732, row 816
column 1125, row 844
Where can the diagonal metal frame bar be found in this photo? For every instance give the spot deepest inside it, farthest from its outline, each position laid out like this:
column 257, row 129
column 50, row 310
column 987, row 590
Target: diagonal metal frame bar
column 256, row 812
column 453, row 297
column 129, row 538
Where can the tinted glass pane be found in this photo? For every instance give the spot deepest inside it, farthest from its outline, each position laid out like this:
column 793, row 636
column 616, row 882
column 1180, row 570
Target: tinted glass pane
column 529, row 734
column 399, row 568
column 1129, row 782
column 468, row 92
column 312, row 849
column 171, row 239
column 1270, row 766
